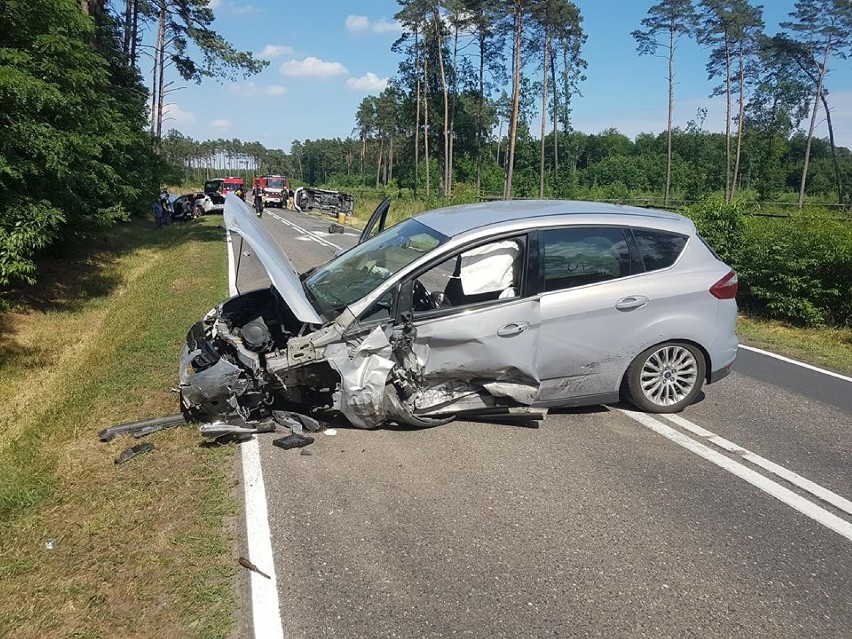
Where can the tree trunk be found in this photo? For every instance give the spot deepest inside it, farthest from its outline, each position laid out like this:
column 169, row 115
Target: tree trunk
column 439, row 42
column 555, row 114
column 516, row 93
column 840, row 195
column 727, row 120
column 543, row 118
column 667, row 192
column 479, row 105
column 128, row 25
column 817, row 99
column 426, row 119
column 453, row 108
column 417, row 117
column 740, row 115
column 379, row 162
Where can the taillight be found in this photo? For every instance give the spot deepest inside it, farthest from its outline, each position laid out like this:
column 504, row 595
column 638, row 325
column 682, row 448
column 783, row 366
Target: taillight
column 726, row 288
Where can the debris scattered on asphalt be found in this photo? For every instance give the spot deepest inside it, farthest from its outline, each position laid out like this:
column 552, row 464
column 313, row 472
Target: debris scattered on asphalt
column 296, row 421
column 215, row 430
column 336, row 228
column 134, row 451
column 306, row 451
column 292, row 441
column 141, row 428
column 245, row 563
column 331, row 432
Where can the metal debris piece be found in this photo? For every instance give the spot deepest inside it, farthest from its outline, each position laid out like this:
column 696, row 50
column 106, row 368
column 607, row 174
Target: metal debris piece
column 245, row 563
column 306, row 451
column 141, row 428
column 134, row 451
column 296, row 421
column 214, row 430
column 292, row 441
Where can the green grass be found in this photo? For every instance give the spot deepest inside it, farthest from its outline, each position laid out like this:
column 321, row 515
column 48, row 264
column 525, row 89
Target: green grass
column 141, row 549
column 827, row 347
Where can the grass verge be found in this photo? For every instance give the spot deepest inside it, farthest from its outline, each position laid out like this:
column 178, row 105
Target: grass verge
column 89, row 548
column 827, row 347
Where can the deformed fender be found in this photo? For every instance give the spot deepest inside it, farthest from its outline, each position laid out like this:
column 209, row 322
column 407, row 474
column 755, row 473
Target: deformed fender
column 363, row 376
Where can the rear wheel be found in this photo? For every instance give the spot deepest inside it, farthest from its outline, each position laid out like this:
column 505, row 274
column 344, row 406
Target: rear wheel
column 665, row 378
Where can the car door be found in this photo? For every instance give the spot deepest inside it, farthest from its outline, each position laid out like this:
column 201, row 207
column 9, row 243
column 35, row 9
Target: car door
column 592, row 305
column 376, row 223
column 472, row 322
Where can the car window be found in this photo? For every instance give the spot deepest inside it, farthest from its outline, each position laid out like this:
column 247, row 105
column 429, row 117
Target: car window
column 488, row 272
column 579, row 256
column 659, row 249
column 357, row 272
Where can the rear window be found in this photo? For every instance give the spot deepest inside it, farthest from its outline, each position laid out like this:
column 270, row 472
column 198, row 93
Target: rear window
column 659, row 249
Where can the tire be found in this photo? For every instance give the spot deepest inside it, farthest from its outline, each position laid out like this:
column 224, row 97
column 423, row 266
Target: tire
column 665, row 378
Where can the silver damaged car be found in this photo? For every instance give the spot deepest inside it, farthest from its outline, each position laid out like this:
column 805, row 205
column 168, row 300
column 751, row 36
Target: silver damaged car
column 492, row 309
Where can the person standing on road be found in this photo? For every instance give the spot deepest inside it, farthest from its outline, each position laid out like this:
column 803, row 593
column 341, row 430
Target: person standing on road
column 257, row 193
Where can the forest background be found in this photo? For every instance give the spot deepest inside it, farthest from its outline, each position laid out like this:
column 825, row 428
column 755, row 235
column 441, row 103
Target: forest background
column 84, row 146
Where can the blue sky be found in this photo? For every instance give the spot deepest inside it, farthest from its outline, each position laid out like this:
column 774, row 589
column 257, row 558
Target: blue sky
column 327, row 55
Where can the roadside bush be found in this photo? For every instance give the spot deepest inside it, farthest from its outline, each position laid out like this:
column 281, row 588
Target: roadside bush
column 798, row 269
column 721, row 224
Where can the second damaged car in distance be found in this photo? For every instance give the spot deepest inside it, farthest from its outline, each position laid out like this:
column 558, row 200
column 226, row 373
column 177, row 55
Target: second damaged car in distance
column 483, row 309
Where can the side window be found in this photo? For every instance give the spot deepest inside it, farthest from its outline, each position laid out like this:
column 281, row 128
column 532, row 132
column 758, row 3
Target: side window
column 578, row 256
column 489, row 272
column 659, row 249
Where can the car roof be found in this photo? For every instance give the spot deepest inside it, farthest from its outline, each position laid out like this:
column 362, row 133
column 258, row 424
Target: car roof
column 454, row 220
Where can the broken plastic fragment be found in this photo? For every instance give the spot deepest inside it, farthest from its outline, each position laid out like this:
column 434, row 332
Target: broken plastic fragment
column 331, row 431
column 134, row 451
column 141, row 428
column 245, row 563
column 292, row 441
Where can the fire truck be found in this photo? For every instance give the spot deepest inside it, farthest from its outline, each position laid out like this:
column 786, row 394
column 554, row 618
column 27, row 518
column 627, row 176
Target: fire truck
column 273, row 186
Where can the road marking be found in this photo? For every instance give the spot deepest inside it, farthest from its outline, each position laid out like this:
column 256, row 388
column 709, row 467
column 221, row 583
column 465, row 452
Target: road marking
column 310, row 234
column 797, row 363
column 785, row 495
column 266, row 614
column 787, row 475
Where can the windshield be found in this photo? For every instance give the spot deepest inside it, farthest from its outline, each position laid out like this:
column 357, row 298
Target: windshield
column 275, row 183
column 358, row 272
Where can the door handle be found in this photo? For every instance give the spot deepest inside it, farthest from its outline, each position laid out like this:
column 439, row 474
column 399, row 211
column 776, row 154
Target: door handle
column 513, row 328
column 631, row 302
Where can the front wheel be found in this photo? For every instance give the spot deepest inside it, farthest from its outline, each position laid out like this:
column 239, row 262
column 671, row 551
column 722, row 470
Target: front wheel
column 665, row 378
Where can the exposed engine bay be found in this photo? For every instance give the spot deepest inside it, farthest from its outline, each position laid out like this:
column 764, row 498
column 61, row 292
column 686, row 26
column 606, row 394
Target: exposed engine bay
column 251, row 357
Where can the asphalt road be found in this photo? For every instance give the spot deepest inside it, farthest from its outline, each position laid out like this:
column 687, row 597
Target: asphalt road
column 592, row 524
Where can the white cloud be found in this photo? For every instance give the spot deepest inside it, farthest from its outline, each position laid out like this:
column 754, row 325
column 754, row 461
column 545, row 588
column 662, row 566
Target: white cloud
column 358, row 24
column 175, row 113
column 241, row 10
column 368, row 82
column 221, row 124
column 274, row 51
column 251, row 89
column 312, row 68
column 387, row 26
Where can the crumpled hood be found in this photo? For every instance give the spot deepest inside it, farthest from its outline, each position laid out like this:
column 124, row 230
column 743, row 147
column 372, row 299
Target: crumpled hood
column 240, row 218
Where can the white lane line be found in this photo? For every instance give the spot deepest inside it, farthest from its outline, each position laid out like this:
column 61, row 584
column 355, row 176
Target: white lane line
column 787, row 475
column 266, row 614
column 310, row 234
column 797, row 363
column 785, row 495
